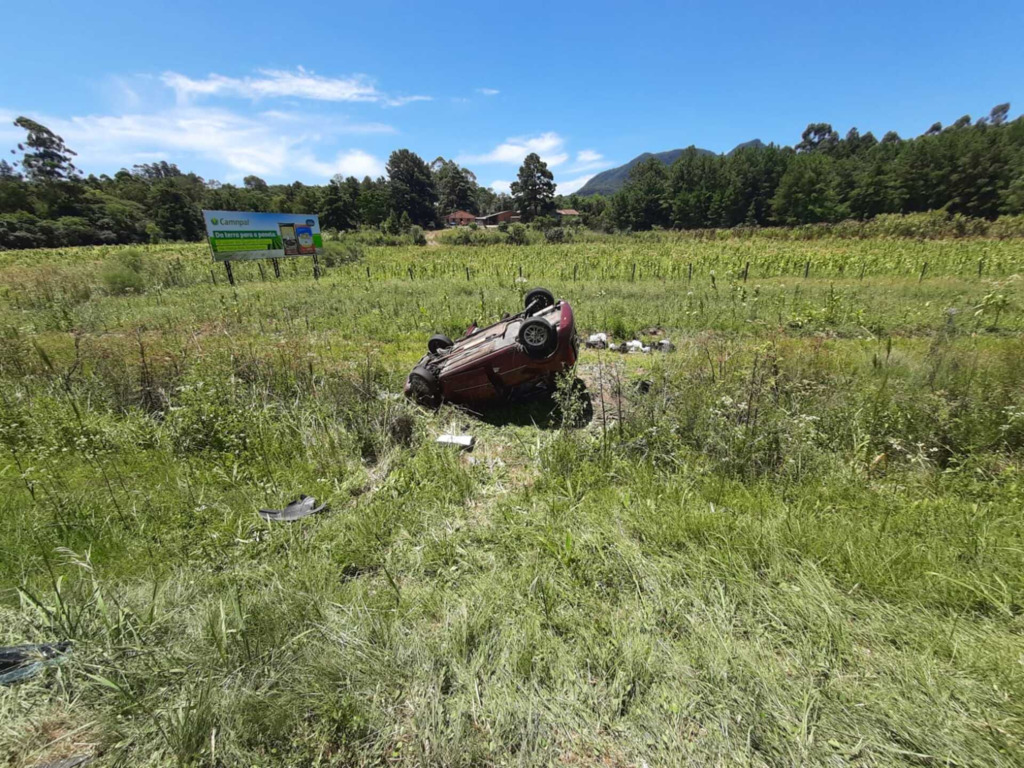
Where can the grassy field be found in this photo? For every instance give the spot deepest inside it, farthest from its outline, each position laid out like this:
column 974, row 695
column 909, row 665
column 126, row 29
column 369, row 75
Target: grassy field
column 800, row 541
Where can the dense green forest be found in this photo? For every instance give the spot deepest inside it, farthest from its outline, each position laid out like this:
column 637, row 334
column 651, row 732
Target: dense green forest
column 973, row 169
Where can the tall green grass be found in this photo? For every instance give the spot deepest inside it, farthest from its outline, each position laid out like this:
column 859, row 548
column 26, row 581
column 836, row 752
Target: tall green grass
column 796, row 539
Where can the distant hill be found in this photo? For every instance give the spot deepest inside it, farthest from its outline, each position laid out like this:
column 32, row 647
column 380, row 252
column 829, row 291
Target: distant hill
column 752, row 144
column 610, row 181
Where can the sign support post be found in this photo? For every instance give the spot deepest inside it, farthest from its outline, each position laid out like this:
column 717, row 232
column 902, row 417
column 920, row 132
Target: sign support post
column 231, row 275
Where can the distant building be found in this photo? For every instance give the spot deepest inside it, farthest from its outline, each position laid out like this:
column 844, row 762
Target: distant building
column 496, row 218
column 561, row 213
column 459, row 219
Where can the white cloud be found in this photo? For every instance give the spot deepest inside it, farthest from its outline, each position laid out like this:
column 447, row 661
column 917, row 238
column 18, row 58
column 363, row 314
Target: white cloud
column 548, row 145
column 588, row 160
column 336, row 126
column 273, row 146
column 401, row 101
column 501, row 186
column 277, row 83
column 355, row 162
column 572, row 185
column 488, row 91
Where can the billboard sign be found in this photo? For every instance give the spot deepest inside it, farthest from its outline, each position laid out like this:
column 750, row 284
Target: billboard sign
column 243, row 235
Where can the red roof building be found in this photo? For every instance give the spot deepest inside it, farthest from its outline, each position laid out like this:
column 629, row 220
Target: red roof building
column 497, row 218
column 459, row 219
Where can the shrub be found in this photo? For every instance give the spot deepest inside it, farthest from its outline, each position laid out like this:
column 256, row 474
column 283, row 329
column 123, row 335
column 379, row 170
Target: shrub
column 125, row 273
column 554, row 235
column 517, row 235
column 342, row 251
column 119, row 280
column 468, row 236
column 417, row 236
column 1007, row 226
column 459, row 236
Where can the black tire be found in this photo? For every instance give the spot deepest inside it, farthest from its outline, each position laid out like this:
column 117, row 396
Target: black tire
column 538, row 337
column 439, row 342
column 538, row 299
column 424, row 388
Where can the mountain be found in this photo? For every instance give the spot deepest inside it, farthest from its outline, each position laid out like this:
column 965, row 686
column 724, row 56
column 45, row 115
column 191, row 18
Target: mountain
column 752, row 144
column 610, row 181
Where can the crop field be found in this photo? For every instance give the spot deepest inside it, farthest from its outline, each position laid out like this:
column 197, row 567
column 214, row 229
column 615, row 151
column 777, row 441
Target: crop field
column 797, row 539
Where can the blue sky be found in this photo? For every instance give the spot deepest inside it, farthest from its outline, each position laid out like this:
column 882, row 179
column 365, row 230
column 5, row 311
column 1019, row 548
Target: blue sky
column 302, row 91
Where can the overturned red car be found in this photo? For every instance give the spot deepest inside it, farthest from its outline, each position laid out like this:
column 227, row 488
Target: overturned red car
column 511, row 359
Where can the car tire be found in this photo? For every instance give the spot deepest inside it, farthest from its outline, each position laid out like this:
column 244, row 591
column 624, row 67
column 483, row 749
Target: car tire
column 424, row 388
column 538, row 299
column 439, row 342
column 538, row 337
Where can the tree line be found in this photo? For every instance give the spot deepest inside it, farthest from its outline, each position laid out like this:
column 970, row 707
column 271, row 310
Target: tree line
column 974, row 169
column 45, row 201
column 971, row 169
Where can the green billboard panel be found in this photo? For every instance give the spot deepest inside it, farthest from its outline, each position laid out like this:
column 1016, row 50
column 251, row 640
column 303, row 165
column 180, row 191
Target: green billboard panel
column 243, row 235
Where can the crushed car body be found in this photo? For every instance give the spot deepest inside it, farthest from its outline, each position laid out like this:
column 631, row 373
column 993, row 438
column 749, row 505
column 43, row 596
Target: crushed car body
column 511, row 359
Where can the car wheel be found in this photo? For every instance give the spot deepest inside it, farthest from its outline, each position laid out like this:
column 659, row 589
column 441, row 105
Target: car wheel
column 537, row 337
column 439, row 342
column 538, row 299
column 424, row 388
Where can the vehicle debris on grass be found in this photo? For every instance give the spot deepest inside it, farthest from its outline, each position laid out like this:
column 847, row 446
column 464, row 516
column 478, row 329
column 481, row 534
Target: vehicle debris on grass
column 67, row 762
column 302, row 507
column 21, row 662
column 465, row 442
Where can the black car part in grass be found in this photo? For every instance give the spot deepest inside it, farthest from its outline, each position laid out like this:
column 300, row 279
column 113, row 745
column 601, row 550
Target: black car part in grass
column 20, row 662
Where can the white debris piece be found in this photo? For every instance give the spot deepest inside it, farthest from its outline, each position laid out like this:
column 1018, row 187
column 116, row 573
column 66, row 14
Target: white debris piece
column 613, row 347
column 597, row 340
column 665, row 346
column 463, row 441
column 645, row 350
column 634, row 346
